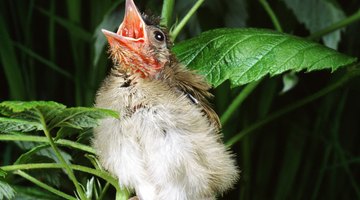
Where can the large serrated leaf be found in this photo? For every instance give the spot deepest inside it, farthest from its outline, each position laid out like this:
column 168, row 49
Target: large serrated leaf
column 246, row 55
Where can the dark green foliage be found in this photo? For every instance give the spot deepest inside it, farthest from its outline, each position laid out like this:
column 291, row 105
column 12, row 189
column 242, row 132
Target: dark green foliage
column 41, row 115
column 6, row 191
column 296, row 135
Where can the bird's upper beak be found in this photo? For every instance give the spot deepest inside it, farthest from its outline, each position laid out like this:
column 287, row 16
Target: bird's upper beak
column 131, row 30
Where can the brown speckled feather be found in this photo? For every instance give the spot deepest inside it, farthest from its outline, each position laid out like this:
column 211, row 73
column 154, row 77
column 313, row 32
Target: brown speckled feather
column 189, row 82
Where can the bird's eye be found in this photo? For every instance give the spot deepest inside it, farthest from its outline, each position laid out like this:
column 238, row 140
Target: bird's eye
column 159, row 36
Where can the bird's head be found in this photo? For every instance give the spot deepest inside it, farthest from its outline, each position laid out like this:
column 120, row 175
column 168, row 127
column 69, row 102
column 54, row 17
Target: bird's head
column 138, row 47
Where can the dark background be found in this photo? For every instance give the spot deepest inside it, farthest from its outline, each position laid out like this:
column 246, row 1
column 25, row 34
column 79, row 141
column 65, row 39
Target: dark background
column 309, row 153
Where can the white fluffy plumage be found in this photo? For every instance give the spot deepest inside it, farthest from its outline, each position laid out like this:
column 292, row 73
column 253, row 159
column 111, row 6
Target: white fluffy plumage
column 163, row 146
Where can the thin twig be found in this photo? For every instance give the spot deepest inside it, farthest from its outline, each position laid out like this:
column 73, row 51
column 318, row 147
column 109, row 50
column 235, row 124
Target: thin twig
column 187, row 17
column 338, row 25
column 272, row 15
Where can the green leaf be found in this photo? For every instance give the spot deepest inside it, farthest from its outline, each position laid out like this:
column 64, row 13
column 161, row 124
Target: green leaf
column 44, row 153
column 6, row 190
column 237, row 13
column 28, row 116
column 11, row 107
column 2, row 173
column 31, row 156
column 34, row 193
column 8, row 125
column 246, row 55
column 317, row 15
column 81, row 117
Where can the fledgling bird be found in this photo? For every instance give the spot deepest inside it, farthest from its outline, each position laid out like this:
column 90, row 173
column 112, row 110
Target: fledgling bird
column 166, row 144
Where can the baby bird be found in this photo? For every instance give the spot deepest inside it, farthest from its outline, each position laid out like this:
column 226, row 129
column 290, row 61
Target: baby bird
column 166, row 144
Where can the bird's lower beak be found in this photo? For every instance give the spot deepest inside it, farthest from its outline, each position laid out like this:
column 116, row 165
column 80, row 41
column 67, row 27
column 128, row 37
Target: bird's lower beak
column 131, row 30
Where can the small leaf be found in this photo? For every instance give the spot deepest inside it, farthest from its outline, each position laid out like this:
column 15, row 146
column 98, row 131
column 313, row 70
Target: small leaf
column 31, row 156
column 246, row 55
column 34, row 193
column 317, row 15
column 8, row 125
column 42, row 151
column 237, row 13
column 2, row 173
column 6, row 190
column 289, row 80
column 41, row 115
column 81, row 117
column 85, row 136
column 90, row 188
column 37, row 155
column 27, row 116
column 11, row 107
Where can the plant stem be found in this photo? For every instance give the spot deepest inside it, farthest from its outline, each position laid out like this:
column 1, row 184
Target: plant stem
column 187, row 17
column 166, row 13
column 272, row 15
column 69, row 171
column 292, row 107
column 120, row 193
column 238, row 101
column 338, row 25
column 29, row 138
column 44, row 186
column 341, row 154
column 248, row 89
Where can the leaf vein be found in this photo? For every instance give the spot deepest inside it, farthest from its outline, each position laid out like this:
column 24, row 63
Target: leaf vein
column 262, row 56
column 224, row 54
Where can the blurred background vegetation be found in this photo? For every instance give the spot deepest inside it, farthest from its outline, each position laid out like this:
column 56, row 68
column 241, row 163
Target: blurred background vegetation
column 54, row 50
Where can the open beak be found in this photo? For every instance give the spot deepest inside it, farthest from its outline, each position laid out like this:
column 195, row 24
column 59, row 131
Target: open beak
column 131, row 30
column 130, row 44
